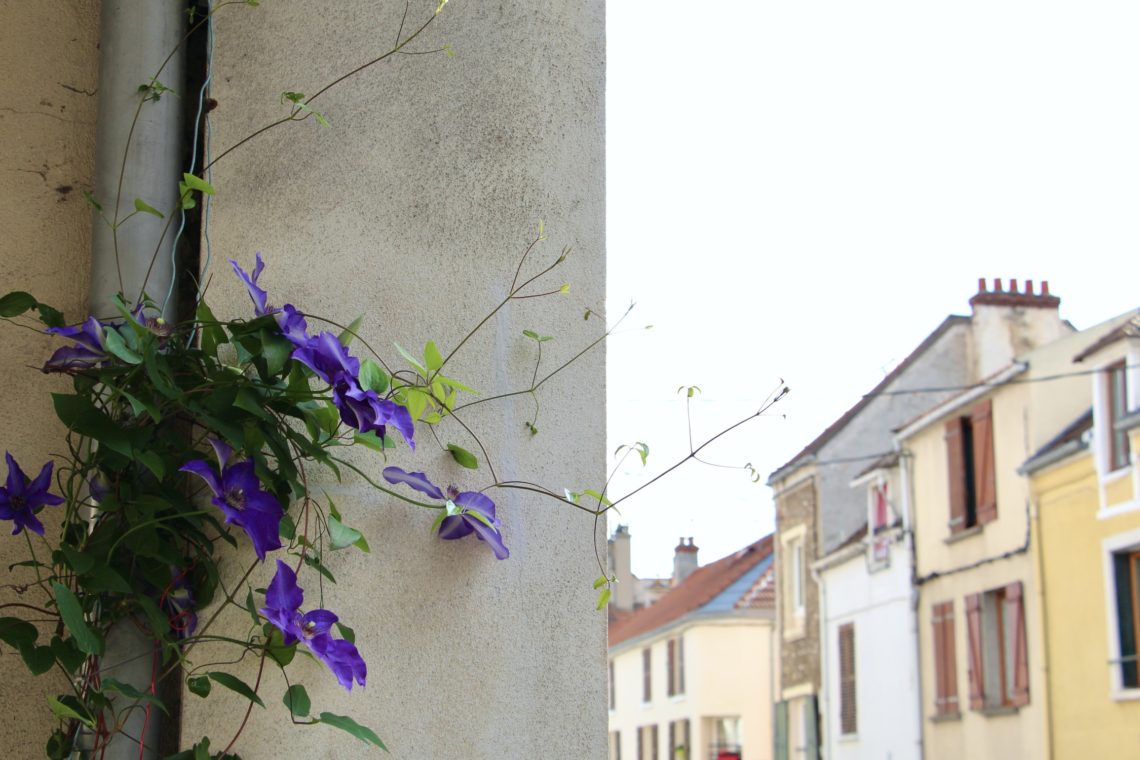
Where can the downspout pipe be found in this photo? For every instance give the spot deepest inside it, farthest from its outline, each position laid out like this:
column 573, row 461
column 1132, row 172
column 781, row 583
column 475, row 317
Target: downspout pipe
column 824, row 690
column 905, row 459
column 136, row 37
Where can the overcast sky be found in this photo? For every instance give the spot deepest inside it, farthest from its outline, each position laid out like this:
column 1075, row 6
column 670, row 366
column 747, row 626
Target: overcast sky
column 804, row 190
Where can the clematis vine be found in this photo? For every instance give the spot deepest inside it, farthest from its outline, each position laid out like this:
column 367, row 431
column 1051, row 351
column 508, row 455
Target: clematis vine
column 282, row 608
column 238, row 493
column 88, row 350
column 21, row 498
column 467, row 511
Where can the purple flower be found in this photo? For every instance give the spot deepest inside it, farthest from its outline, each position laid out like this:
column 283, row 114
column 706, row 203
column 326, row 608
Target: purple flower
column 21, row 498
column 360, row 408
column 89, row 348
column 179, row 603
column 260, row 298
column 238, row 493
column 472, row 506
column 291, row 321
column 283, row 601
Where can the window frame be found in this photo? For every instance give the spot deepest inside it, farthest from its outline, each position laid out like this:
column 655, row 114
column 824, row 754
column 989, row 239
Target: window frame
column 675, row 666
column 995, row 626
column 945, row 660
column 1121, row 543
column 971, row 468
column 1116, row 406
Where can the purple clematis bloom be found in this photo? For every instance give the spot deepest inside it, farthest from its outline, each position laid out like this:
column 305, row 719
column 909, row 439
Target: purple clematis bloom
column 464, row 523
column 89, row 348
column 21, row 498
column 283, row 601
column 260, row 298
column 360, row 408
column 291, row 321
column 238, row 493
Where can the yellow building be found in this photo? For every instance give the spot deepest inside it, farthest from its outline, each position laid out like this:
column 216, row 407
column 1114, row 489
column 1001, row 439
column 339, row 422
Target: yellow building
column 1084, row 485
column 691, row 675
column 981, row 639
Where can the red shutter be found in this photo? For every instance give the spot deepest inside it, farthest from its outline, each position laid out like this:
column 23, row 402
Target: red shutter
column 950, row 663
column 956, row 471
column 985, row 474
column 670, row 656
column 974, row 635
column 939, row 660
column 1015, row 622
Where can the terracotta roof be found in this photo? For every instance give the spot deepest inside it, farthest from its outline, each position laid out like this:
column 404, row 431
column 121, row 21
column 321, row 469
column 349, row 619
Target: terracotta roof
column 1130, row 329
column 761, row 595
column 850, row 414
column 702, row 586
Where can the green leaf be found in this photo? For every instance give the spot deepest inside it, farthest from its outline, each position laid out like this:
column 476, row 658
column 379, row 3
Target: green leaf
column 604, row 597
column 530, row 334
column 67, row 653
column 411, row 360
column 38, row 659
column 351, row 726
column 346, row 633
column 600, row 581
column 464, row 457
column 146, row 208
column 116, row 346
column 130, row 692
column 281, row 653
column 212, row 335
column 373, row 377
column 340, row 535
column 197, row 183
column 87, row 196
column 369, row 439
column 67, row 707
column 297, row 700
column 72, row 615
column 432, row 358
column 49, row 316
column 233, row 683
column 153, row 463
column 348, row 333
column 199, row 685
column 80, row 415
column 17, row 633
column 16, row 303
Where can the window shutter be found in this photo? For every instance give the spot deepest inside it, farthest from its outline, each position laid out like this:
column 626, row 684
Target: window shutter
column 653, row 740
column 974, row 634
column 780, row 730
column 950, row 661
column 1015, row 615
column 847, row 691
column 938, row 631
column 670, row 654
column 956, row 471
column 646, row 675
column 811, row 724
column 985, row 474
column 681, row 668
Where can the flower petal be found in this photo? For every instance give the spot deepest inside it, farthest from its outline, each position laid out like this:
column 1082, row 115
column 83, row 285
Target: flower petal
column 342, row 658
column 205, row 472
column 416, row 480
column 317, row 622
column 455, row 526
column 478, row 502
column 491, row 536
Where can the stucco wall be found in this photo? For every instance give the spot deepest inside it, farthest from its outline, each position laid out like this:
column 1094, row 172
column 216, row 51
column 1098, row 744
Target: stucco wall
column 413, row 209
column 47, row 134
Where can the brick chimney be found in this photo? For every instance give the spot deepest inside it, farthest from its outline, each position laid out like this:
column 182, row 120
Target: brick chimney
column 1009, row 322
column 684, row 559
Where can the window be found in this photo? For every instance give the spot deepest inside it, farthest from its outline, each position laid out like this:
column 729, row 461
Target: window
column 726, row 738
column 647, row 742
column 945, row 660
column 1117, row 394
column 1126, row 573
column 879, row 508
column 615, row 745
column 847, row 678
column 798, row 577
column 679, row 740
column 675, row 666
column 646, row 674
column 970, row 459
column 613, row 695
column 999, row 670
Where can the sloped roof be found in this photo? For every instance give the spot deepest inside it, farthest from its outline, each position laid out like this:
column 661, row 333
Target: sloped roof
column 1069, row 441
column 1130, row 329
column 834, row 428
column 709, row 588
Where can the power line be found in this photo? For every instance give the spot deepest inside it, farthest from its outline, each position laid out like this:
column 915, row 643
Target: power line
column 1012, row 381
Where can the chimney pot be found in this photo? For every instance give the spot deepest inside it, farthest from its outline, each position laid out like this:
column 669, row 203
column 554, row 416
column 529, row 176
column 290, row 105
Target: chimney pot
column 981, row 284
column 1044, row 287
column 1029, row 287
column 997, row 285
column 1012, row 285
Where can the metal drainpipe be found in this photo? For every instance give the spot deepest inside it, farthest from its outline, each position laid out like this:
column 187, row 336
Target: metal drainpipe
column 136, row 36
column 825, row 701
column 909, row 549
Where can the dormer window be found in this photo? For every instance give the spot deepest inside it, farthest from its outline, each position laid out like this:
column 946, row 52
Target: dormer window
column 1116, row 394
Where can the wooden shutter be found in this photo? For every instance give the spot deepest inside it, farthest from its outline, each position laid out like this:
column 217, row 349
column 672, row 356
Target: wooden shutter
column 811, row 724
column 847, row 704
column 938, row 631
column 1015, row 626
column 653, row 741
column 956, row 472
column 646, row 675
column 985, row 474
column 681, row 669
column 974, row 636
column 950, row 658
column 670, row 659
column 780, row 731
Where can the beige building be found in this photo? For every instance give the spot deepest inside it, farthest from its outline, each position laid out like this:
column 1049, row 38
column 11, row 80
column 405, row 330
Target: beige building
column 982, row 662
column 691, row 676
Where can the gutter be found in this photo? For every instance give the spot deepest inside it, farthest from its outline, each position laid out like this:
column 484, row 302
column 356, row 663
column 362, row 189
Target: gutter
column 956, row 402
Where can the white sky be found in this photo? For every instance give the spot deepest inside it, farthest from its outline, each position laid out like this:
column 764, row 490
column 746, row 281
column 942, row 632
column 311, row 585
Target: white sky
column 806, row 189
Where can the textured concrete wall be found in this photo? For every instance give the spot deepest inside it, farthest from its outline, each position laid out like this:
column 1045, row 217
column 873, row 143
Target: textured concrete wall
column 47, row 135
column 413, row 209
